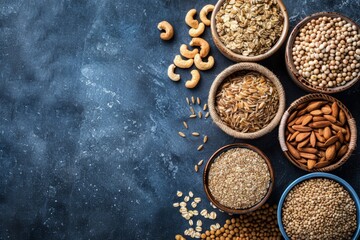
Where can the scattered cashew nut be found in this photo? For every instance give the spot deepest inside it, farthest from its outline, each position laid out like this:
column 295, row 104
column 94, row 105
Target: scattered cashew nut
column 169, row 30
column 187, row 53
column 195, row 78
column 203, row 65
column 181, row 63
column 203, row 44
column 173, row 76
column 204, row 12
column 195, row 32
column 189, row 19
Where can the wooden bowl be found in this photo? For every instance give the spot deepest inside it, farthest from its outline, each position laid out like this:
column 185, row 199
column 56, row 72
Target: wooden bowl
column 350, row 120
column 241, row 58
column 296, row 77
column 238, row 68
column 206, row 174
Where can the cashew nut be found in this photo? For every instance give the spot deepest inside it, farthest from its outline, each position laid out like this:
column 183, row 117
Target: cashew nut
column 169, row 30
column 189, row 19
column 195, row 78
column 203, row 65
column 195, row 32
column 203, row 44
column 181, row 63
column 171, row 74
column 187, row 53
column 204, row 12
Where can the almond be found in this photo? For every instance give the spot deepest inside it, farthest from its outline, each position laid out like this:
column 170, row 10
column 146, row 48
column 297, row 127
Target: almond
column 301, row 128
column 314, row 105
column 338, row 145
column 308, row 155
column 334, row 110
column 342, row 117
column 338, row 128
column 299, row 120
column 326, row 109
column 310, row 164
column 302, row 161
column 303, row 143
column 322, row 164
column 306, row 120
column 331, row 141
column 330, row 118
column 320, row 124
column 327, row 133
column 293, row 151
column 301, row 136
column 330, row 153
column 301, row 112
column 316, row 112
column 293, row 136
column 347, row 134
column 309, row 150
column 342, row 151
column 290, row 129
column 340, row 136
column 320, row 138
column 292, row 116
column 313, row 139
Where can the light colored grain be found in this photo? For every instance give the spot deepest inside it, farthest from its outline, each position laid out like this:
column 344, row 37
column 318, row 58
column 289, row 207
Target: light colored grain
column 191, row 222
column 195, row 134
column 198, row 100
column 197, row 199
column 200, row 162
column 192, row 99
column 183, row 204
column 187, row 101
column 205, row 107
column 185, row 125
column 191, row 194
column 181, row 134
column 205, row 139
column 200, row 114
column 192, row 110
column 186, row 198
column 200, row 147
column 179, row 193
column 196, row 167
column 192, row 116
column 176, row 204
column 207, row 114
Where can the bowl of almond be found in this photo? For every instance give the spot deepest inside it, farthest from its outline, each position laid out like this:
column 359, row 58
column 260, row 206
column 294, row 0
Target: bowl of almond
column 249, row 30
column 317, row 133
column 246, row 101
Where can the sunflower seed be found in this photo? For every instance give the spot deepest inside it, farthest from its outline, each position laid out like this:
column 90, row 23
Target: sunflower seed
column 182, row 134
column 192, row 99
column 198, row 100
column 185, row 125
column 205, row 139
column 200, row 162
column 200, row 147
column 195, row 134
column 179, row 194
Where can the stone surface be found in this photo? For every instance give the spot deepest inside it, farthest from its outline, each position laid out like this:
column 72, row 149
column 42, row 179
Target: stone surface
column 89, row 120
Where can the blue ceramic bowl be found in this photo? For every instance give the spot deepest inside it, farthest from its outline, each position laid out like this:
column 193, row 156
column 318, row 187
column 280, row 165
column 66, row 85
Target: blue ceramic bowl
column 319, row 175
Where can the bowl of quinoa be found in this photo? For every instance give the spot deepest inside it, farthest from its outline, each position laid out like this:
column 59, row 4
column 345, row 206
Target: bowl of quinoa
column 319, row 206
column 238, row 178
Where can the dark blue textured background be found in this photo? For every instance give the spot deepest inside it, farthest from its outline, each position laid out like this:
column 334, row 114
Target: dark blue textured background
column 89, row 120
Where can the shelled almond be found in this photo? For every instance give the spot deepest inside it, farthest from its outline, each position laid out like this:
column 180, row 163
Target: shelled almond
column 317, row 133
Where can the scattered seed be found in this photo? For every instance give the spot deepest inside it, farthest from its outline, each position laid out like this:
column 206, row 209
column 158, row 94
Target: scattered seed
column 176, row 204
column 198, row 229
column 183, row 210
column 203, row 212
column 195, row 212
column 198, row 100
column 200, row 114
column 186, row 198
column 213, row 227
column 211, row 204
column 182, row 134
column 191, row 194
column 197, row 235
column 217, row 226
column 183, row 204
column 192, row 110
column 196, row 167
column 207, row 114
column 199, row 223
column 193, row 116
column 200, row 147
column 197, row 199
column 212, row 215
column 200, row 162
column 191, row 222
column 196, row 134
column 187, row 100
column 194, row 204
column 192, row 99
column 185, row 125
column 205, row 107
column 205, row 139
column 179, row 194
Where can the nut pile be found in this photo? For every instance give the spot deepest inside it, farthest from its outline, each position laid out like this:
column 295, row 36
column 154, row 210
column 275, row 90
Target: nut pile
column 194, row 56
column 317, row 134
column 326, row 52
column 249, row 27
column 247, row 102
column 239, row 178
column 260, row 224
column 319, row 209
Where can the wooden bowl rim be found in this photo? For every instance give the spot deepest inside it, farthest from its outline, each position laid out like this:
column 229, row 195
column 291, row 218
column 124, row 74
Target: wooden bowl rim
column 207, row 169
column 238, row 67
column 349, row 117
column 295, row 76
column 241, row 58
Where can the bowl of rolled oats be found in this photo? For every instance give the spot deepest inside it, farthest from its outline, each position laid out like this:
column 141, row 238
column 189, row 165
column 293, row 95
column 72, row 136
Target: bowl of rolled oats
column 249, row 30
column 246, row 101
column 323, row 53
column 238, row 178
